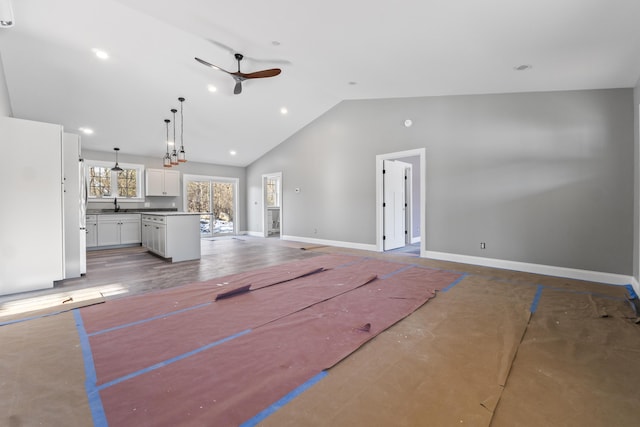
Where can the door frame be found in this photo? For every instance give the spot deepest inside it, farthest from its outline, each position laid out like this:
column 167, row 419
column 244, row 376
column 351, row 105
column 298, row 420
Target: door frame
column 421, row 153
column 265, row 213
column 231, row 180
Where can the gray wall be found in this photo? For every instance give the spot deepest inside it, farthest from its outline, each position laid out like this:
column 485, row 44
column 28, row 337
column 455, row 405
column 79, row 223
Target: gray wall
column 190, row 168
column 5, row 102
column 544, row 178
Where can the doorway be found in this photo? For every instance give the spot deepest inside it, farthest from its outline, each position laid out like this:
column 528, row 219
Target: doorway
column 415, row 205
column 272, row 204
column 215, row 199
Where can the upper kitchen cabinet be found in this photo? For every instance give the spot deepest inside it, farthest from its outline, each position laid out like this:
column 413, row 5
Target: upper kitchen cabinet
column 161, row 182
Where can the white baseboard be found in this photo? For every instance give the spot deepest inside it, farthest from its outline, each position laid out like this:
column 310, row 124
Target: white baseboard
column 415, row 240
column 547, row 270
column 636, row 285
column 349, row 245
column 255, row 233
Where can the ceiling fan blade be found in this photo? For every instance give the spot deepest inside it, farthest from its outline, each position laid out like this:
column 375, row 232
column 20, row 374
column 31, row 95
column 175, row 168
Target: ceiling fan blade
column 238, row 89
column 261, row 74
column 203, row 62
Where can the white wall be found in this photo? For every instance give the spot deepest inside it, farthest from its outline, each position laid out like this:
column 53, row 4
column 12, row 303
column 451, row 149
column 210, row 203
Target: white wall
column 5, row 102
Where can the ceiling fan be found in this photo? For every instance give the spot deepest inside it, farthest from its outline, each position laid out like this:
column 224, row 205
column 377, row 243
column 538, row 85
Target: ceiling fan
column 239, row 76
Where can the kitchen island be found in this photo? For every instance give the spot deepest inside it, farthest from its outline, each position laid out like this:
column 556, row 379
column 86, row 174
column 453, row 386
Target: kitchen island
column 172, row 235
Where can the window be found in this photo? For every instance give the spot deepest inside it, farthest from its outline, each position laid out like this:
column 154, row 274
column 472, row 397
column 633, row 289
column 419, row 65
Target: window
column 104, row 183
column 273, row 192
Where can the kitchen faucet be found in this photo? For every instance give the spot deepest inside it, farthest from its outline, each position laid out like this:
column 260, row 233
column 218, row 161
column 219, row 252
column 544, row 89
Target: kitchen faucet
column 116, row 208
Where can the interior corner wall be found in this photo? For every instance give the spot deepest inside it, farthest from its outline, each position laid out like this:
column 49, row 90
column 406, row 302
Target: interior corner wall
column 636, row 182
column 544, row 178
column 5, row 101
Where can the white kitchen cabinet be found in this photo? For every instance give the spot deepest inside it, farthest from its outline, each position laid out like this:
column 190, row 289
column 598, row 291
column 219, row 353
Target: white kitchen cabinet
column 174, row 236
column 118, row 229
column 161, row 182
column 92, row 231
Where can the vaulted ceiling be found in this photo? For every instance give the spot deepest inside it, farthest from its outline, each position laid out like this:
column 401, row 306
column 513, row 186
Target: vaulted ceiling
column 328, row 51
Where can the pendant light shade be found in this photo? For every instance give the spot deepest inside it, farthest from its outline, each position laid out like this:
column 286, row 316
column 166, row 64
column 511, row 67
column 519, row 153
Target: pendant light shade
column 117, row 167
column 182, row 156
column 174, row 153
column 166, row 161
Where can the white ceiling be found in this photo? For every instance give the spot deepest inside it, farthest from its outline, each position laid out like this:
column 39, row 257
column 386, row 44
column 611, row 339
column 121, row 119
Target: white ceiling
column 401, row 48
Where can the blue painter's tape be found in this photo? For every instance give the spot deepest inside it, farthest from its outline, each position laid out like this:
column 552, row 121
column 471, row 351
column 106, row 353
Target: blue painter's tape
column 160, row 316
column 24, row 319
column 536, row 299
column 93, row 394
column 261, row 416
column 632, row 292
column 455, row 282
column 400, row 270
column 172, row 360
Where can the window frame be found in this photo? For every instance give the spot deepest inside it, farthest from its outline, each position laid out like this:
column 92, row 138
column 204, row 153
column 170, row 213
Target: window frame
column 139, row 168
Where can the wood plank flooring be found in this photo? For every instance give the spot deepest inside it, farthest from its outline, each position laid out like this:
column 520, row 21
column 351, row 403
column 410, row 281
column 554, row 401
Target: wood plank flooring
column 133, row 270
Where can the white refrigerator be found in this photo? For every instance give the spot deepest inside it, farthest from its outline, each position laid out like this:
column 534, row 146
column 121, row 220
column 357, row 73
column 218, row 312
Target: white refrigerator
column 31, row 212
column 75, row 199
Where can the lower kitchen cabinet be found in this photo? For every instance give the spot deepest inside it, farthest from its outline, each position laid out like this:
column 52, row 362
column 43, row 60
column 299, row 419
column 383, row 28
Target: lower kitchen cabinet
column 118, row 229
column 172, row 236
column 92, row 231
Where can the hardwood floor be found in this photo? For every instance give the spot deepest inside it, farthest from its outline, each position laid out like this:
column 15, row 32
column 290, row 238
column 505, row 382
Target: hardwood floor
column 133, row 270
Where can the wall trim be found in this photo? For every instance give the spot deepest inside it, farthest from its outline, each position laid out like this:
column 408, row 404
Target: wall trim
column 547, row 270
column 636, row 285
column 415, row 240
column 340, row 244
column 254, row 233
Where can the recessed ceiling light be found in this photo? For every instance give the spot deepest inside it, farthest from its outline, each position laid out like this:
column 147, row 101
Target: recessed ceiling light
column 212, row 88
column 523, row 67
column 100, row 53
column 352, row 83
column 233, row 152
column 283, row 110
column 275, row 43
column 86, row 131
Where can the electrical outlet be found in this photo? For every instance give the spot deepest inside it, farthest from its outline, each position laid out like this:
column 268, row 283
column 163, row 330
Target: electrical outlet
column 483, row 245
column 147, row 204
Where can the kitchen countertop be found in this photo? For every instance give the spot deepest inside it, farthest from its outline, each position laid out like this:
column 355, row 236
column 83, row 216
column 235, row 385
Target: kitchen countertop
column 154, row 211
column 169, row 213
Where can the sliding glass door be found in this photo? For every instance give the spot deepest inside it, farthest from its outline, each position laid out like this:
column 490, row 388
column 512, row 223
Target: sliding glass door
column 214, row 198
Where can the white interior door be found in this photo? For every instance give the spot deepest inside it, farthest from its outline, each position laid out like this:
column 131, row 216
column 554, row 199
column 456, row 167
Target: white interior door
column 393, row 202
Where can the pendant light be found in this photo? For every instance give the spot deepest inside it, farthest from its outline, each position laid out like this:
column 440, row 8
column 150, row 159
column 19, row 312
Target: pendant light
column 166, row 161
column 117, row 167
column 182, row 156
column 174, row 153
